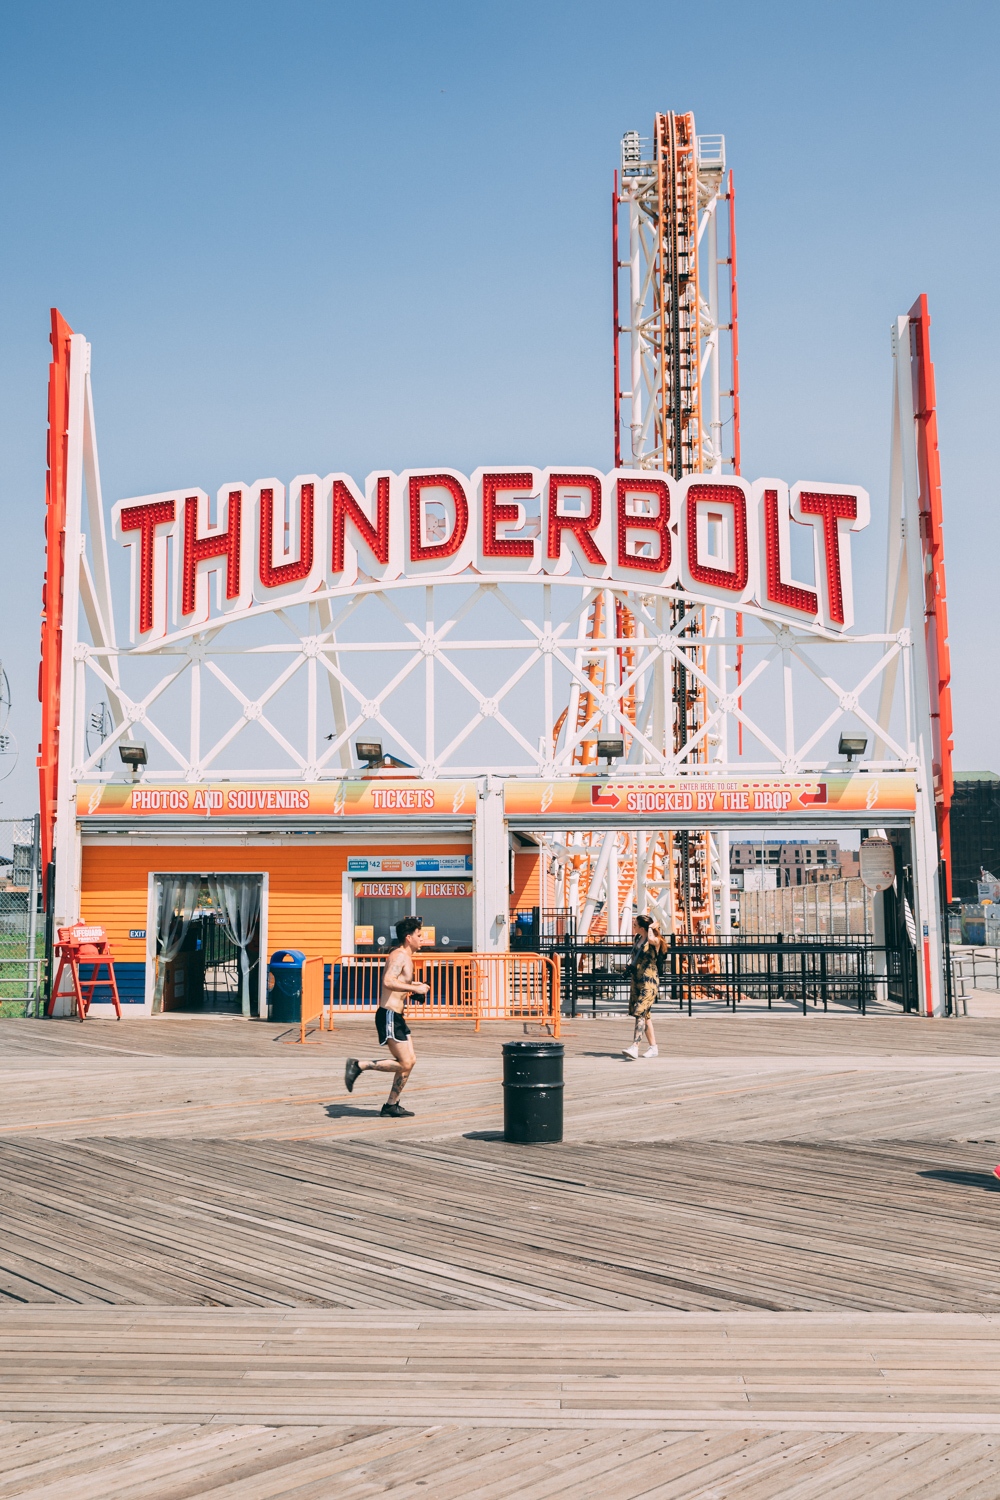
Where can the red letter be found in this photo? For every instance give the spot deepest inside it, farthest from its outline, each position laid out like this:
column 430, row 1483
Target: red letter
column 495, row 514
column 198, row 549
column 144, row 519
column 832, row 508
column 290, row 572
column 580, row 526
column 440, row 550
column 659, row 523
column 779, row 592
column 346, row 508
column 719, row 494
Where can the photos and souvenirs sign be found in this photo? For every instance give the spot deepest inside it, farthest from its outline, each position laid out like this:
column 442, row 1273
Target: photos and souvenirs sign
column 269, row 800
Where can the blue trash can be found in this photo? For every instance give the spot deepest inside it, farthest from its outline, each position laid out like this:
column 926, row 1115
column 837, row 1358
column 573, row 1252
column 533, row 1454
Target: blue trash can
column 284, row 986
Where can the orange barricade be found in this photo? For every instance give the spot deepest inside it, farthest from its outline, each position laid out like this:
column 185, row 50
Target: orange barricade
column 84, row 945
column 312, row 997
column 473, row 987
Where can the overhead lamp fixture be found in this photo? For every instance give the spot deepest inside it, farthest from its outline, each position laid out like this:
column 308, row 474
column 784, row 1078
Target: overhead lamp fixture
column 369, row 751
column 852, row 745
column 133, row 753
column 610, row 750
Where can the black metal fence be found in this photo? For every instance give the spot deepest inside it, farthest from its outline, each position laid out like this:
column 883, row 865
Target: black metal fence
column 772, row 969
column 818, row 972
column 538, row 929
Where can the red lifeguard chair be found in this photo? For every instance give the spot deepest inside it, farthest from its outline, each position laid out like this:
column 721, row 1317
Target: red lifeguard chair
column 84, row 945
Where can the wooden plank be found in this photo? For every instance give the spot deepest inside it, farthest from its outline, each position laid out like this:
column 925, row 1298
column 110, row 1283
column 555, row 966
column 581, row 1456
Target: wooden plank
column 725, row 1036
column 613, row 1226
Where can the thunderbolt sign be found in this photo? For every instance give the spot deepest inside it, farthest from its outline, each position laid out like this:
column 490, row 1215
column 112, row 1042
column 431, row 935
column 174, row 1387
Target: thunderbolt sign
column 714, row 537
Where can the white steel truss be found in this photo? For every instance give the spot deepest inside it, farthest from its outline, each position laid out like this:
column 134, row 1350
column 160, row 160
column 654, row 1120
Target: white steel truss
column 443, row 687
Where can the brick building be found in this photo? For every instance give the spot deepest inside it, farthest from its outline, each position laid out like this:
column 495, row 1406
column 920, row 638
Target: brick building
column 796, row 861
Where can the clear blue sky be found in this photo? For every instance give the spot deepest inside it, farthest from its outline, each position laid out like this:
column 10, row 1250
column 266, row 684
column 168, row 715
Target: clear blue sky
column 318, row 236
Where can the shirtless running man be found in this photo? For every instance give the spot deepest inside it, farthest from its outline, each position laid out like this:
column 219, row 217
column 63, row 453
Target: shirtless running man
column 393, row 1032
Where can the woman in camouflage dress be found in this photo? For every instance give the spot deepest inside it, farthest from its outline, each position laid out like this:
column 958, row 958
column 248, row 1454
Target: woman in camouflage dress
column 645, row 976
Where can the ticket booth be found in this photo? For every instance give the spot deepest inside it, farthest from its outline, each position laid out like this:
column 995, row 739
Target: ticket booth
column 444, row 903
column 378, row 906
column 446, row 907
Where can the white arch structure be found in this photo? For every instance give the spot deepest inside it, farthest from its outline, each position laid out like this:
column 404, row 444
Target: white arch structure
column 464, row 676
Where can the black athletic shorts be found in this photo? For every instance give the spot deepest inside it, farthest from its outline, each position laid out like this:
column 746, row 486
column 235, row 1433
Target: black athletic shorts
column 391, row 1026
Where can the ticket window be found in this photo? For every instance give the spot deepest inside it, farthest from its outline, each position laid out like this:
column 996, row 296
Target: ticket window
column 378, row 906
column 446, row 907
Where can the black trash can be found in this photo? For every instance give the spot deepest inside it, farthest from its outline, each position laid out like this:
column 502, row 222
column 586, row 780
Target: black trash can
column 284, row 986
column 532, row 1091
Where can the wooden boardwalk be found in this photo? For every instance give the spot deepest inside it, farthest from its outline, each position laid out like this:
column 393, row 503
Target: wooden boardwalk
column 480, row 1224
column 762, row 1267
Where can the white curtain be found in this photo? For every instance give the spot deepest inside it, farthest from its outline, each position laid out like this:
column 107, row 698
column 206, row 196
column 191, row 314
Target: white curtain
column 176, row 900
column 237, row 900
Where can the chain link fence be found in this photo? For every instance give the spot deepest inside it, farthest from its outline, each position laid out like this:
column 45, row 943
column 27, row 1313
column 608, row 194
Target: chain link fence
column 22, row 932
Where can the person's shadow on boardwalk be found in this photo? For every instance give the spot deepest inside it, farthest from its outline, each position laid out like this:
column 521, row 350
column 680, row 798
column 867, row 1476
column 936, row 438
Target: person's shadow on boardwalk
column 352, row 1111
column 959, row 1178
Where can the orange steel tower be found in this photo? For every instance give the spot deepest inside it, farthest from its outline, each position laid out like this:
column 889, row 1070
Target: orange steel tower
column 679, row 414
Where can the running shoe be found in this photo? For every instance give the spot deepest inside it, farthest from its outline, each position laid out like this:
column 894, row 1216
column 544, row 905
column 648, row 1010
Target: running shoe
column 651, row 1052
column 352, row 1072
column 397, row 1112
column 632, row 1052
column 996, row 1171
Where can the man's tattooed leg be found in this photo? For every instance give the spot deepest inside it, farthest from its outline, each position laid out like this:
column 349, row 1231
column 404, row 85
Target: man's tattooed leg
column 397, row 1086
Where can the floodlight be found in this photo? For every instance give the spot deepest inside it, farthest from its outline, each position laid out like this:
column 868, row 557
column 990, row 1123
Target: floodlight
column 133, row 753
column 610, row 750
column 852, row 745
column 370, row 751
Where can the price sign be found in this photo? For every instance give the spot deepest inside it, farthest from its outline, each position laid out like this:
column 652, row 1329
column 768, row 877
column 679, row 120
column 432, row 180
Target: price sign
column 878, row 864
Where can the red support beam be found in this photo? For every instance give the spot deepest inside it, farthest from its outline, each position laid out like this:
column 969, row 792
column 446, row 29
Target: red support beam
column 617, row 329
column 52, row 591
column 935, row 591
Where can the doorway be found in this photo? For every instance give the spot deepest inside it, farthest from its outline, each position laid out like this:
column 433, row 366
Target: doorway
column 208, row 943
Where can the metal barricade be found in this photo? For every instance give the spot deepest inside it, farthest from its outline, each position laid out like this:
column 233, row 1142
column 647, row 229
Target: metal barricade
column 473, row 987
column 973, row 968
column 313, row 998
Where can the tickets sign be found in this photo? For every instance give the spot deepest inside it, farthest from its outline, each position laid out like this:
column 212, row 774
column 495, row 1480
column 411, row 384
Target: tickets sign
column 392, row 800
column 684, row 801
column 443, row 888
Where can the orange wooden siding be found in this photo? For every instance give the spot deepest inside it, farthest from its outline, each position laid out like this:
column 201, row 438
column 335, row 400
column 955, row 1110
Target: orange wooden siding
column 527, row 884
column 304, row 886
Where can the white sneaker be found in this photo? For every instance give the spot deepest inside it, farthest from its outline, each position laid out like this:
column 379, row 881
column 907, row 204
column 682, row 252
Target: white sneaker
column 632, row 1052
column 651, row 1052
